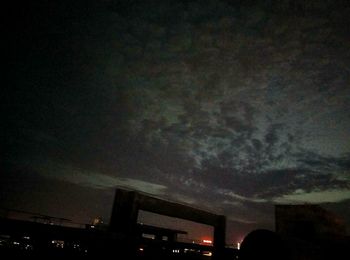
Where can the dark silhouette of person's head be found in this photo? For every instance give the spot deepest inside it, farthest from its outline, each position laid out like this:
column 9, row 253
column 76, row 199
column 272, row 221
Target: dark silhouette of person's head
column 263, row 244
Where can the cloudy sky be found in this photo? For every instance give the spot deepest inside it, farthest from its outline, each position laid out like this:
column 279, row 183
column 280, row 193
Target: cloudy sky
column 229, row 106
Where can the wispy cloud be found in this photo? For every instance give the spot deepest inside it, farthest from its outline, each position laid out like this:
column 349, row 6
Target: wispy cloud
column 316, row 196
column 183, row 198
column 242, row 220
column 95, row 180
column 236, row 197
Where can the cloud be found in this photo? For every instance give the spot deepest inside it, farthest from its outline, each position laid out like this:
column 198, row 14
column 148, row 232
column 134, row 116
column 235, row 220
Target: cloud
column 183, row 198
column 95, row 180
column 316, row 196
column 236, row 197
column 243, row 220
column 248, row 111
column 245, row 210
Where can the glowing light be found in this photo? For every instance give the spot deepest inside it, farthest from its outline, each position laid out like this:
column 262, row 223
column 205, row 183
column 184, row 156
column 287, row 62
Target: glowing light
column 238, row 245
column 207, row 241
column 149, row 236
column 58, row 243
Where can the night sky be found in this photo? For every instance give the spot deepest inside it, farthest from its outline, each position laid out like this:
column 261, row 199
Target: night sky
column 228, row 106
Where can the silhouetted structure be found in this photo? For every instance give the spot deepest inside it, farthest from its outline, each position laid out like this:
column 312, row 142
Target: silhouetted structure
column 303, row 232
column 307, row 221
column 42, row 237
column 128, row 203
column 312, row 232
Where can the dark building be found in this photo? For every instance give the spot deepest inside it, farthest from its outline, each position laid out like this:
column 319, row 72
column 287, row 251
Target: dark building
column 312, row 232
column 303, row 232
column 308, row 221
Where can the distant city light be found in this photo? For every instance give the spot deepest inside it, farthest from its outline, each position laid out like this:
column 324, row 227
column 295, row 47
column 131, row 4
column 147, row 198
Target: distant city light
column 207, row 241
column 58, row 243
column 207, row 253
column 238, row 245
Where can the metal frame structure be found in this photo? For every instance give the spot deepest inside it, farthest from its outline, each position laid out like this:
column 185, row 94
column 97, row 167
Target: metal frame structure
column 128, row 203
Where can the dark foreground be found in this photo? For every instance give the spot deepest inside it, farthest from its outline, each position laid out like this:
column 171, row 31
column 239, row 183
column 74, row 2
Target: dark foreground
column 30, row 240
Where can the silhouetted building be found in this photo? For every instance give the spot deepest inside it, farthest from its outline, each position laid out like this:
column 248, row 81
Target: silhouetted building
column 312, row 232
column 307, row 221
column 303, row 232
